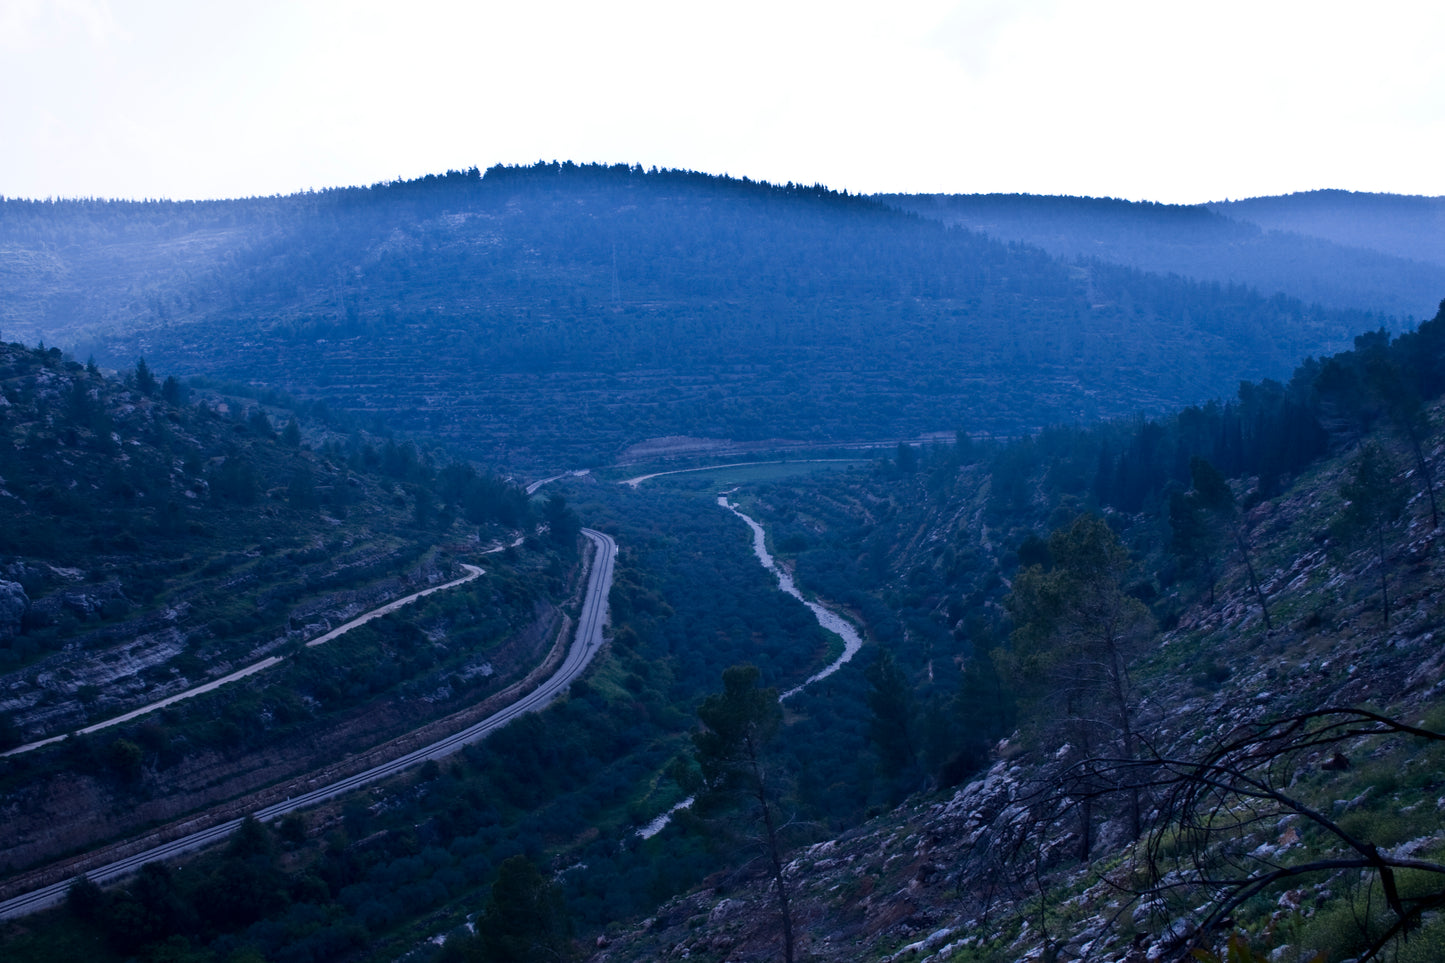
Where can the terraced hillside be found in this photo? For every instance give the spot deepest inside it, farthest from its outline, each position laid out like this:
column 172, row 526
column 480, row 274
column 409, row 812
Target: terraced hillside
column 562, row 313
column 154, row 542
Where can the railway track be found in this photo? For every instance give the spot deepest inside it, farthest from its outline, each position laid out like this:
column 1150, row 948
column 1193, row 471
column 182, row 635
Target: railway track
column 585, row 644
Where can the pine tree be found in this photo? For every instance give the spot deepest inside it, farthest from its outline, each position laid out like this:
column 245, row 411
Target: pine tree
column 1212, row 494
column 145, row 382
column 524, row 920
column 1076, row 632
column 1374, row 504
column 738, row 723
column 891, row 726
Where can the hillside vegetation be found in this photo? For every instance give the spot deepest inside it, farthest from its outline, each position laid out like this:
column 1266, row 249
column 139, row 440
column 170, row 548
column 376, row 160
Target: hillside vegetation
column 156, row 538
column 561, row 313
column 1146, row 673
column 1401, row 226
column 1155, row 716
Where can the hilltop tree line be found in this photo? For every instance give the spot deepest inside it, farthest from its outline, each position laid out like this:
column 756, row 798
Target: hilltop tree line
column 558, row 312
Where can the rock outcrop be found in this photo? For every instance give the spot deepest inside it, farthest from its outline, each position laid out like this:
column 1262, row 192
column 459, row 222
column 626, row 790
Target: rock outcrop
column 14, row 603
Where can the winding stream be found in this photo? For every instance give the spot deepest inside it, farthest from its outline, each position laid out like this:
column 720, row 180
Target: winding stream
column 826, row 617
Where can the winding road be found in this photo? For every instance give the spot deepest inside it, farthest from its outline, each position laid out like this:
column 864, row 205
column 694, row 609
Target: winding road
column 532, row 488
column 584, row 646
column 638, row 480
column 473, row 572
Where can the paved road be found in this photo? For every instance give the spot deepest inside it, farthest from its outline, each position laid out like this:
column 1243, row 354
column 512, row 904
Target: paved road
column 584, row 646
column 634, row 482
column 472, row 573
column 532, row 488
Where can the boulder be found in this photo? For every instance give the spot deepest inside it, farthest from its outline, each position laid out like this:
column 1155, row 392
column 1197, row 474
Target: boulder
column 14, row 603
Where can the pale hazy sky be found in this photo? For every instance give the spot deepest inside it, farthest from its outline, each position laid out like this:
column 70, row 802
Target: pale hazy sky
column 1145, row 99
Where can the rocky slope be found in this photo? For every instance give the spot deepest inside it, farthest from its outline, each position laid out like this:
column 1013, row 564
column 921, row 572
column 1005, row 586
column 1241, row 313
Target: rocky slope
column 990, row 870
column 156, row 538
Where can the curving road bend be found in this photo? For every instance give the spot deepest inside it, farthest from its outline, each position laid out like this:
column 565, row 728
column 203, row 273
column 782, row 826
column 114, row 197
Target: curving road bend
column 584, row 646
column 639, row 479
column 532, row 488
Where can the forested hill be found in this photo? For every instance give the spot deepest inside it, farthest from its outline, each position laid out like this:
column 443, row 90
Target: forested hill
column 562, row 312
column 1404, row 226
column 1373, row 252
column 1153, row 676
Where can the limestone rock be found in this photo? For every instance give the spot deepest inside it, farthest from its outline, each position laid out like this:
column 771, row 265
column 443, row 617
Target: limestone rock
column 14, row 603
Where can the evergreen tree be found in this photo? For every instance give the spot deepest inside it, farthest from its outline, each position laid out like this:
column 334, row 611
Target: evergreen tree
column 907, row 459
column 1195, row 539
column 562, row 523
column 1212, row 494
column 738, row 723
column 145, row 382
column 1076, row 632
column 1374, row 504
column 172, row 391
column 524, row 920
column 891, row 727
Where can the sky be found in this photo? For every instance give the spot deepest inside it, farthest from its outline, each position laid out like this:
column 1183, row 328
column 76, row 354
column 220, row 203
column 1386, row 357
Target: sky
column 1139, row 99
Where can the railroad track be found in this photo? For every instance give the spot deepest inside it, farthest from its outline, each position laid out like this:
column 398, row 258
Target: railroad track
column 584, row 646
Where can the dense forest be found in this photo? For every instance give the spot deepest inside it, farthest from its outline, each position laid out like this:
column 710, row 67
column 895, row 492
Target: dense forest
column 561, row 313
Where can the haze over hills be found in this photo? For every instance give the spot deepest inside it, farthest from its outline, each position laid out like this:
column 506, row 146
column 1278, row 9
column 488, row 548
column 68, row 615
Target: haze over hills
column 562, row 313
column 1368, row 252
column 1404, row 226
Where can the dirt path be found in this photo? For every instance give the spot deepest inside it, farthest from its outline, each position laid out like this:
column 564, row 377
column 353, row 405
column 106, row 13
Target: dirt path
column 562, row 665
column 473, row 572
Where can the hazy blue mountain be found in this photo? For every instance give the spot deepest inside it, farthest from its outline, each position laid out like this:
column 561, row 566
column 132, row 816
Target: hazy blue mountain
column 1338, row 250
column 565, row 312
column 1406, row 226
column 71, row 268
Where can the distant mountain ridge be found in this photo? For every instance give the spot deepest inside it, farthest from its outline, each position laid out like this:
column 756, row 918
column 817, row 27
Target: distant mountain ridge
column 1406, row 226
column 560, row 313
column 1383, row 253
